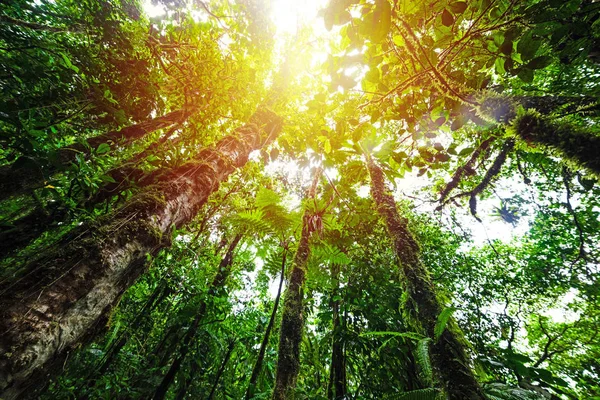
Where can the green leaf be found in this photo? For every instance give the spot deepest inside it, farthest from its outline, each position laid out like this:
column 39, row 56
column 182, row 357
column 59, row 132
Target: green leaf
column 103, row 148
column 442, row 321
column 527, row 46
column 381, row 20
column 107, row 178
column 526, row 75
column 499, row 66
column 506, row 47
column 423, row 361
column 466, row 151
column 68, row 62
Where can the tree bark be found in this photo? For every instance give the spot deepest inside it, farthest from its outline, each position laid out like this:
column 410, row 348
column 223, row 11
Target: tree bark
column 28, row 174
column 263, row 346
column 218, row 282
column 337, row 372
column 578, row 144
column 448, row 353
column 65, row 292
column 292, row 322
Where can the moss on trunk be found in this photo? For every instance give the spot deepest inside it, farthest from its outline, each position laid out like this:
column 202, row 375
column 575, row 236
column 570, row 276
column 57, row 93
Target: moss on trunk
column 577, row 144
column 292, row 321
column 449, row 357
column 65, row 292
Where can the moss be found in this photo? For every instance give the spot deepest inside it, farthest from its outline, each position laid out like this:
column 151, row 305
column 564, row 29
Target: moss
column 579, row 145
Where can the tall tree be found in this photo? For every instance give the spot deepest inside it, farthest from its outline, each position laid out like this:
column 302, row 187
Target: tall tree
column 72, row 289
column 292, row 322
column 448, row 351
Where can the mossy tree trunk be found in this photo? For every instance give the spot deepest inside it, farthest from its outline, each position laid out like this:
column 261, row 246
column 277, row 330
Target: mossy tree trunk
column 265, row 342
column 578, row 144
column 337, row 372
column 27, row 174
column 66, row 293
column 448, row 353
column 539, row 125
column 292, row 321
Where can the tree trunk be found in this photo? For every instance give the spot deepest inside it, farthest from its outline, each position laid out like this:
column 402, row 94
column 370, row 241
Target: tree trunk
column 28, row 174
column 448, row 353
column 67, row 290
column 218, row 282
column 263, row 346
column 221, row 370
column 292, row 322
column 337, row 372
column 578, row 144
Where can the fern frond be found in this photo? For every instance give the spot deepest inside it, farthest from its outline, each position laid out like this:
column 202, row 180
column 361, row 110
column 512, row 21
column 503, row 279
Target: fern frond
column 442, row 321
column 252, row 221
column 331, row 255
column 266, row 197
column 424, row 362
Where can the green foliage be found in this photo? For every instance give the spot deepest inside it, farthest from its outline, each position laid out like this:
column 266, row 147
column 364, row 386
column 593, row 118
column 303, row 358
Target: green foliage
column 442, row 322
column 430, row 89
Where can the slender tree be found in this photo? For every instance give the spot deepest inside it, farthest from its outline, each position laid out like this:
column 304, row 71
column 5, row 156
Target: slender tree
column 213, row 390
column 448, row 352
column 66, row 293
column 256, row 370
column 186, row 344
column 292, row 322
column 336, row 388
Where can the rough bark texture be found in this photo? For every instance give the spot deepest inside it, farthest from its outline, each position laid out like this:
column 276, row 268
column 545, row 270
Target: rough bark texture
column 28, row 174
column 218, row 283
column 292, row 321
column 337, row 372
column 64, row 293
column 448, row 352
column 578, row 144
column 263, row 346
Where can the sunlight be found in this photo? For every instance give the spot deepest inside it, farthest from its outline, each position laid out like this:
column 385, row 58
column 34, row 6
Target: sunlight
column 289, row 16
column 153, row 10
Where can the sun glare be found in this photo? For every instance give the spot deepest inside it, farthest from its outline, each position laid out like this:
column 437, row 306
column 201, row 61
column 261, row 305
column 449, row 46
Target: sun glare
column 289, row 15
